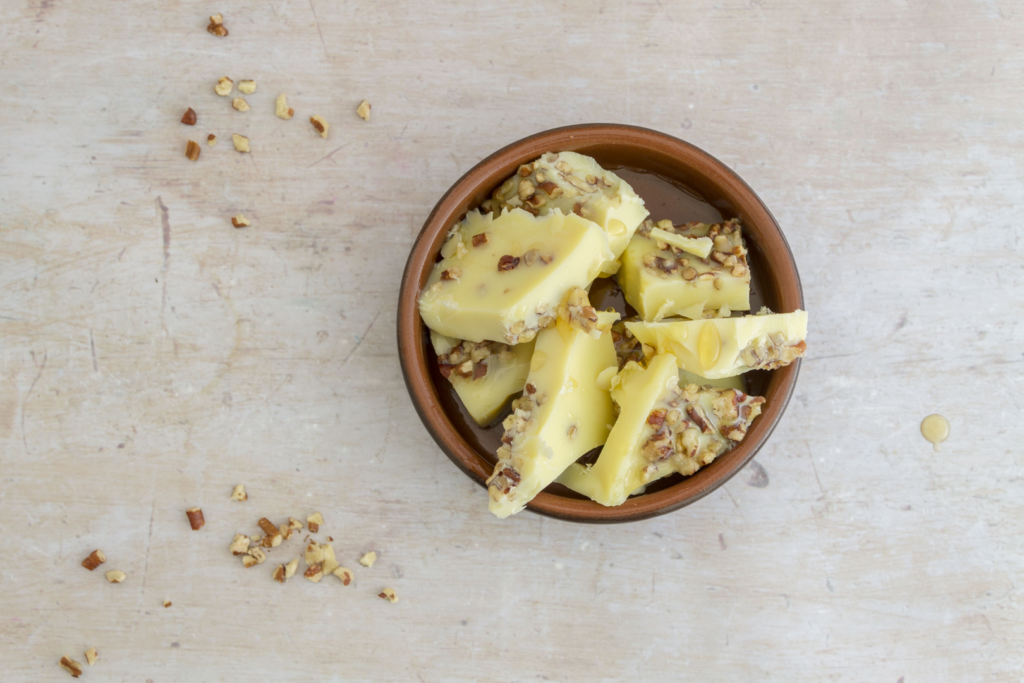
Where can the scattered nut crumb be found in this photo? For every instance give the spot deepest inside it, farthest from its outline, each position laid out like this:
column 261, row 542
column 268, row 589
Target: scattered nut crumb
column 91, row 656
column 330, row 563
column 314, row 553
column 211, row 139
column 364, row 110
column 294, row 524
column 368, row 559
column 192, row 151
column 95, row 559
column 290, row 568
column 238, row 493
column 224, row 86
column 195, row 518
column 239, row 546
column 388, row 594
column 320, row 124
column 344, row 574
column 314, row 521
column 282, row 109
column 240, row 104
column 247, row 87
column 255, row 556
column 216, row 26
column 116, row 576
column 189, row 119
column 239, row 221
column 71, row 666
column 241, row 142
column 314, row 573
column 278, row 574
column 167, row 603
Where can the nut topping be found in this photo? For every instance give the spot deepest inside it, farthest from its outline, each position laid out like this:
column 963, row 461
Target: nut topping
column 189, row 118
column 364, row 110
column 282, row 109
column 238, row 493
column 320, row 124
column 95, row 559
column 451, row 274
column 116, row 576
column 507, row 263
column 224, row 86
column 345, row 575
column 91, row 656
column 239, row 221
column 388, row 594
column 314, row 573
column 192, row 150
column 247, row 87
column 241, row 143
column 368, row 559
column 71, row 666
column 240, row 104
column 216, row 26
column 195, row 518
column 240, row 545
column 314, row 521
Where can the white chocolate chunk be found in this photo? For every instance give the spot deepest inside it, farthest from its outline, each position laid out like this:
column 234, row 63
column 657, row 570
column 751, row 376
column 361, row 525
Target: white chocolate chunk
column 662, row 428
column 723, row 347
column 484, row 375
column 574, row 183
column 660, row 279
column 501, row 278
column 565, row 411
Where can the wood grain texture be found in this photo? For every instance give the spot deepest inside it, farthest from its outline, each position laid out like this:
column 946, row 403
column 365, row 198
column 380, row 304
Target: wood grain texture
column 151, row 356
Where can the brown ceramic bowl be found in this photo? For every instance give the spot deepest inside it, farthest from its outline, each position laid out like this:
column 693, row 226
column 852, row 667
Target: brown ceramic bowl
column 647, row 158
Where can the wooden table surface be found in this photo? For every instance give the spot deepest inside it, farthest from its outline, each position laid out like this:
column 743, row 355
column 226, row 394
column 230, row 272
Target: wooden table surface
column 152, row 356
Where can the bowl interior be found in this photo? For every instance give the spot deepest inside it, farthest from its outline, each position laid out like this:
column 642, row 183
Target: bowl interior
column 677, row 181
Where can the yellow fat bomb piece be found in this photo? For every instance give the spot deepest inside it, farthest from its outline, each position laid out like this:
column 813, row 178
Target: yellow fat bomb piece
column 502, row 277
column 574, row 183
column 483, row 374
column 565, row 411
column 724, row 347
column 660, row 279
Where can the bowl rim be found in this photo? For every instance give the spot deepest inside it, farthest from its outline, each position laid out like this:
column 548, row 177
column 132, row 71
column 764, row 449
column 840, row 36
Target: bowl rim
column 480, row 179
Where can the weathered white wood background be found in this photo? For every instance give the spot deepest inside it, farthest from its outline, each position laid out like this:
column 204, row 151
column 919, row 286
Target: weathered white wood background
column 153, row 357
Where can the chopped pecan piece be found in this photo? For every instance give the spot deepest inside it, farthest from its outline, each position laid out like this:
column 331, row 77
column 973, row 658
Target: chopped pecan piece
column 238, row 493
column 320, row 124
column 314, row 573
column 71, row 666
column 344, row 574
column 368, row 559
column 116, row 576
column 95, row 559
column 388, row 594
column 189, row 119
column 195, row 518
column 216, row 26
column 507, row 263
column 192, row 150
column 314, row 521
column 363, row 110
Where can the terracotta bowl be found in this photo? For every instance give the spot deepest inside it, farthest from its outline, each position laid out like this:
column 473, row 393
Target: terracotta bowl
column 615, row 147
